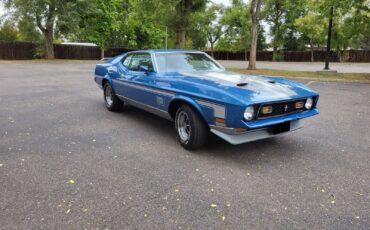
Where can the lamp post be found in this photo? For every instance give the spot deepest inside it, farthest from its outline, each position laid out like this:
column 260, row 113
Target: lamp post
column 328, row 46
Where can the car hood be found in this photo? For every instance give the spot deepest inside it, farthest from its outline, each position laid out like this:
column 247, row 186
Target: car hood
column 247, row 89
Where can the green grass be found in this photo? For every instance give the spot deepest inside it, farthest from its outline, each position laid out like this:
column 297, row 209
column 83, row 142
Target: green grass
column 304, row 74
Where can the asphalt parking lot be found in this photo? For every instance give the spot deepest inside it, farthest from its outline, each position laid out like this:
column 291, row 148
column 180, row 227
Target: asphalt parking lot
column 68, row 163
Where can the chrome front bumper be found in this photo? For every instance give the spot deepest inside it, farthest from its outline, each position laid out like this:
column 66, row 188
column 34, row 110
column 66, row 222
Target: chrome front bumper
column 228, row 134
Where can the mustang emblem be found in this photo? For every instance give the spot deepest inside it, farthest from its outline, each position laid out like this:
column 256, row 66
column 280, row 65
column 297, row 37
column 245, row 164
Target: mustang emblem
column 286, row 108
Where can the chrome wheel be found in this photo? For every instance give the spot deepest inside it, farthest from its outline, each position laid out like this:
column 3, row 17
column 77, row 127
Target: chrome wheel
column 183, row 126
column 109, row 95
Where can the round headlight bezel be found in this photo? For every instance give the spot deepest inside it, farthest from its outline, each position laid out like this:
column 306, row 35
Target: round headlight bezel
column 249, row 113
column 309, row 103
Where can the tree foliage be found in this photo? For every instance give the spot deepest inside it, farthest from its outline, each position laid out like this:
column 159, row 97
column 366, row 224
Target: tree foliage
column 198, row 24
column 8, row 32
column 49, row 16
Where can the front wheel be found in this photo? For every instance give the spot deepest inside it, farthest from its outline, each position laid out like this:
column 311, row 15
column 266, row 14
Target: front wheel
column 111, row 100
column 191, row 129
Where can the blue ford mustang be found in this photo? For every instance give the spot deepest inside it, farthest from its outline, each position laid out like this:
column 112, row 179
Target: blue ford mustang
column 196, row 92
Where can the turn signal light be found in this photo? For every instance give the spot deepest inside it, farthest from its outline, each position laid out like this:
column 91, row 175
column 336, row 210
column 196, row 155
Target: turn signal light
column 219, row 120
column 299, row 104
column 267, row 109
column 240, row 130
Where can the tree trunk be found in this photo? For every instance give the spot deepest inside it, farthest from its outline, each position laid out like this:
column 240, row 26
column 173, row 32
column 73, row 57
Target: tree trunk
column 48, row 29
column 184, row 10
column 253, row 51
column 49, row 38
column 274, row 53
column 312, row 57
column 276, row 40
column 255, row 12
column 180, row 38
column 212, row 49
column 101, row 53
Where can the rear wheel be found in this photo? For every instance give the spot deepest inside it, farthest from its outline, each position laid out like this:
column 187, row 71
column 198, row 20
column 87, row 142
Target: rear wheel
column 191, row 129
column 111, row 100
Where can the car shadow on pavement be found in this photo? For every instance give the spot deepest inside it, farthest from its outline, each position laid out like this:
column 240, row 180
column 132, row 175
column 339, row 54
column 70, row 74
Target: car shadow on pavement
column 275, row 147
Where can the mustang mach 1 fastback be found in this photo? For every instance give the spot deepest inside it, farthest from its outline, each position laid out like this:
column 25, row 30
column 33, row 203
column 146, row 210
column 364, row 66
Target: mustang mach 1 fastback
column 194, row 91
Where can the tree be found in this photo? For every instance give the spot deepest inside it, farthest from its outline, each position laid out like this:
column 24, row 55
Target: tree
column 28, row 30
column 236, row 27
column 211, row 25
column 261, row 39
column 349, row 21
column 48, row 15
column 275, row 16
column 291, row 40
column 8, row 32
column 255, row 14
column 184, row 9
column 101, row 23
column 312, row 27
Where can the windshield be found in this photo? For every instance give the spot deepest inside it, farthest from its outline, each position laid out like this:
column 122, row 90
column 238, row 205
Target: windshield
column 176, row 62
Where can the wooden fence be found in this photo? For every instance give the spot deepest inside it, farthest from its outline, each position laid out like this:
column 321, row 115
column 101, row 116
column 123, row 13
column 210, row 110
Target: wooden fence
column 28, row 50
column 17, row 50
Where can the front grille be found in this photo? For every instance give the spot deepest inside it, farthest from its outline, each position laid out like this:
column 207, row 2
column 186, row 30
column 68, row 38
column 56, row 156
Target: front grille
column 280, row 108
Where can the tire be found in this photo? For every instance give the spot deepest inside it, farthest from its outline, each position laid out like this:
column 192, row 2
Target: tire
column 111, row 100
column 191, row 129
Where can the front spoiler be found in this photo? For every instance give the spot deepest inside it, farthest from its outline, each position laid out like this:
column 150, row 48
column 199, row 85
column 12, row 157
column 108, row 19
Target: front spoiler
column 252, row 135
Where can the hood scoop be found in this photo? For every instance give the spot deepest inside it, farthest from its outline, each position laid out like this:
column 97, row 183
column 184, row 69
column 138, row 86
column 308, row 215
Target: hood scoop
column 241, row 84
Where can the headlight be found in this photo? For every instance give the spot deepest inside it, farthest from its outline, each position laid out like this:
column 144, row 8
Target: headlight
column 309, row 103
column 249, row 113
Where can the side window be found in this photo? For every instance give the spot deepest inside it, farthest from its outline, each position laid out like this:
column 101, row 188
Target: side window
column 126, row 62
column 141, row 59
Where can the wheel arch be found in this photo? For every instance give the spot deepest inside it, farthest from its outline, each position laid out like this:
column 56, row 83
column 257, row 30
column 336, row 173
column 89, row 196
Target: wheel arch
column 176, row 102
column 106, row 80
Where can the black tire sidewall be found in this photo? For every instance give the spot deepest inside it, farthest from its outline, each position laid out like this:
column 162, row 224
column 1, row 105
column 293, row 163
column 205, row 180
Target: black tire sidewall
column 117, row 103
column 196, row 125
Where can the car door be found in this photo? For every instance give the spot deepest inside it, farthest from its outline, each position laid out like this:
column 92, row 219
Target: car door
column 138, row 85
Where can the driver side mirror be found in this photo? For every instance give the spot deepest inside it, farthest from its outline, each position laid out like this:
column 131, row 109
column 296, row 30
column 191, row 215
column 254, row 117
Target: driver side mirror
column 144, row 68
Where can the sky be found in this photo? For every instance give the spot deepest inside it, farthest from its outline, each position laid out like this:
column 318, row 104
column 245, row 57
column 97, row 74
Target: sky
column 225, row 2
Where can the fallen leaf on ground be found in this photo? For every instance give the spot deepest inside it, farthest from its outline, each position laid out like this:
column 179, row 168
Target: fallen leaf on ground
column 223, row 218
column 213, row 205
column 332, row 199
column 68, row 211
column 71, row 181
column 1, row 165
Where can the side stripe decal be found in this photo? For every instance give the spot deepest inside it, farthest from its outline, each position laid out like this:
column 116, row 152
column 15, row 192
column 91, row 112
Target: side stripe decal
column 218, row 110
column 145, row 88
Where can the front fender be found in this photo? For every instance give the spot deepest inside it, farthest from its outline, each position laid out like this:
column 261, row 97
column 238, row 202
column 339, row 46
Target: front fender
column 191, row 102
